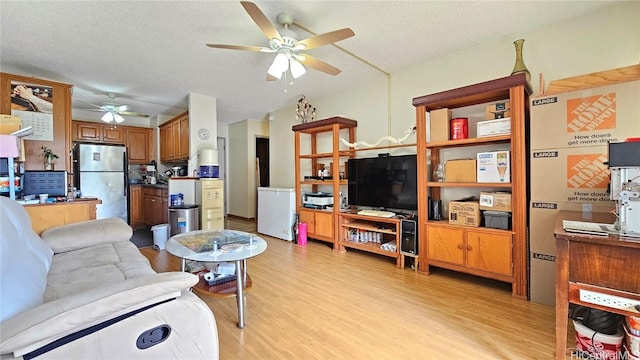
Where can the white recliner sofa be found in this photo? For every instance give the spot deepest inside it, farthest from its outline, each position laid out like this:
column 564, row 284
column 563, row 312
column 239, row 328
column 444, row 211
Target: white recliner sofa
column 84, row 291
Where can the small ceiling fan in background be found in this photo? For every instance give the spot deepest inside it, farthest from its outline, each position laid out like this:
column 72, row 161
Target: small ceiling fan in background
column 289, row 56
column 114, row 112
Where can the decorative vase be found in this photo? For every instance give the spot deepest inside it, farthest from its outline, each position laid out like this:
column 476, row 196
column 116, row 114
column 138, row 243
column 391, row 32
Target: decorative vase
column 519, row 66
column 48, row 164
column 438, row 173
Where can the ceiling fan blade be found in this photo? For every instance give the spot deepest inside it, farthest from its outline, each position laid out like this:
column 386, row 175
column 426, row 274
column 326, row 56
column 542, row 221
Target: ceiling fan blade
column 326, row 38
column 271, row 77
column 94, row 105
column 318, row 64
column 239, row 47
column 261, row 20
column 133, row 113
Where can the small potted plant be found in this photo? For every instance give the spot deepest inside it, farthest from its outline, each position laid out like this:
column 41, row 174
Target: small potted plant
column 49, row 157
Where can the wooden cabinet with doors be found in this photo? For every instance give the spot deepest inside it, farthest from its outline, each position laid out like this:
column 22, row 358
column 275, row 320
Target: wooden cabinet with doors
column 155, row 205
column 136, row 218
column 319, row 223
column 97, row 132
column 479, row 252
column 322, row 224
column 174, row 139
column 493, row 253
column 140, row 141
column 140, row 145
column 212, row 204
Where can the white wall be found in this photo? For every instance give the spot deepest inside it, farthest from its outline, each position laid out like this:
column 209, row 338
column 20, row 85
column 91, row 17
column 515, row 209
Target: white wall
column 606, row 39
column 242, row 173
column 202, row 115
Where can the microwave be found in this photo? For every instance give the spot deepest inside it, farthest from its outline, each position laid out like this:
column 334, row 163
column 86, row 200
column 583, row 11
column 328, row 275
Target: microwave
column 54, row 183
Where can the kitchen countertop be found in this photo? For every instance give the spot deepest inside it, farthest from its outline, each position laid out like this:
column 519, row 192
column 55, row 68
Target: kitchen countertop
column 157, row 186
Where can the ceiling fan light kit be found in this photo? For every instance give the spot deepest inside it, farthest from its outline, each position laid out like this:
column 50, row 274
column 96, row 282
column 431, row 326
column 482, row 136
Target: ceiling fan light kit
column 114, row 112
column 288, row 57
column 110, row 117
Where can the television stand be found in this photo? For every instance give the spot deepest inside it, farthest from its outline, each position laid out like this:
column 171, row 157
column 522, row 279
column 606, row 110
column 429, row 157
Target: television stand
column 375, row 234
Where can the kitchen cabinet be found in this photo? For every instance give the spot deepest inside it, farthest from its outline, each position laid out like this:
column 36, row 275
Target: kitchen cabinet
column 174, row 139
column 136, row 215
column 322, row 224
column 140, row 141
column 139, row 145
column 492, row 253
column 97, row 133
column 155, row 205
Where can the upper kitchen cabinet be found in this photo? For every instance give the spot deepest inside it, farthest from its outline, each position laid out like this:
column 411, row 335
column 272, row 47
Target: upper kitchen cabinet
column 174, row 139
column 140, row 144
column 44, row 105
column 138, row 140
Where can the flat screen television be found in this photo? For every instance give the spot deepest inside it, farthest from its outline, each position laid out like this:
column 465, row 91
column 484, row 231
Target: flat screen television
column 383, row 182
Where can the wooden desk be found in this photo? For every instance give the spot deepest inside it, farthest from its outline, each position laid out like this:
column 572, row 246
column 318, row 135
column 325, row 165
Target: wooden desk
column 602, row 264
column 45, row 216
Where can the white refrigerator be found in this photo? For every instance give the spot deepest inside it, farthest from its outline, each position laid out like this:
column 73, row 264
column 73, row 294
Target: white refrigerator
column 276, row 212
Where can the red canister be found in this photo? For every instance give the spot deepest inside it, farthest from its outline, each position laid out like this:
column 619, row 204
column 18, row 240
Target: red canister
column 459, row 128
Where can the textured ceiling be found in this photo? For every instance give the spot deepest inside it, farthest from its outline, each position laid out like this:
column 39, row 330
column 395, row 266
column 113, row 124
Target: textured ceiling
column 153, row 54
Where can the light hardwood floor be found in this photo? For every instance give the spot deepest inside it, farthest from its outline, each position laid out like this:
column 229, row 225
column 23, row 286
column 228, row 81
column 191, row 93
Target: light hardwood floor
column 311, row 303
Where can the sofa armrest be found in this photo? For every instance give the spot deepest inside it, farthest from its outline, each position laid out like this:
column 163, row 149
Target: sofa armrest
column 45, row 323
column 82, row 234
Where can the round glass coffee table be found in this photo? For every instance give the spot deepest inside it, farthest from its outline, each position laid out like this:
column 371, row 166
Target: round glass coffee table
column 219, row 246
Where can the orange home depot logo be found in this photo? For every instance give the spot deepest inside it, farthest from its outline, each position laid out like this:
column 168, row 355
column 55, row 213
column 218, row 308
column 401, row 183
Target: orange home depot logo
column 591, row 113
column 587, row 171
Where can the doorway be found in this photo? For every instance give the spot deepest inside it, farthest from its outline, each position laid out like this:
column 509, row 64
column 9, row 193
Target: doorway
column 262, row 162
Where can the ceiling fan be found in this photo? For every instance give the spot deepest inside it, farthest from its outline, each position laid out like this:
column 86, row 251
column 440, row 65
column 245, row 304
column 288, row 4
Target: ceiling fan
column 289, row 56
column 114, row 112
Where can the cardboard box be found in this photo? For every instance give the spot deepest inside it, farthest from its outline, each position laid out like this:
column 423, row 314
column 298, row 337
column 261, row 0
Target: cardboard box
column 460, row 170
column 498, row 110
column 494, row 127
column 542, row 243
column 494, row 167
column 464, row 213
column 495, row 201
column 589, row 117
column 577, row 175
column 439, row 125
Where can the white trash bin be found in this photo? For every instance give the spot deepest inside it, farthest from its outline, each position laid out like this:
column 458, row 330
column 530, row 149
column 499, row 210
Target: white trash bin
column 160, row 235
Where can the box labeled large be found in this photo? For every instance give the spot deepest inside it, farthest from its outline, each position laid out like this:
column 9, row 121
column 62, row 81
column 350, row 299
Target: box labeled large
column 494, row 127
column 495, row 201
column 439, row 125
column 494, row 167
column 465, row 213
column 542, row 243
column 460, row 170
column 578, row 175
column 589, row 117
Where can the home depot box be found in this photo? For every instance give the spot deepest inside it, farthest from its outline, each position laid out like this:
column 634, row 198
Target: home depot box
column 588, row 117
column 464, row 213
column 578, row 175
column 439, row 125
column 498, row 110
column 542, row 243
column 494, row 167
column 460, row 170
column 495, row 201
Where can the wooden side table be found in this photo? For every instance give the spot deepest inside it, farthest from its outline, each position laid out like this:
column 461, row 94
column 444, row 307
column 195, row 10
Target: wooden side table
column 606, row 265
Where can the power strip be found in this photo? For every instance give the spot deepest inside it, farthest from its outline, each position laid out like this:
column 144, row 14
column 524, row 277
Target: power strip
column 611, row 301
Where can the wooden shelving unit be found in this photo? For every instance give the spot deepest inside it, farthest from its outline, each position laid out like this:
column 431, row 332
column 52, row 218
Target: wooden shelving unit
column 491, row 253
column 388, row 228
column 322, row 224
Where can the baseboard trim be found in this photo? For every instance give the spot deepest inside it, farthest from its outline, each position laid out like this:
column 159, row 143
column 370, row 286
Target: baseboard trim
column 240, row 217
